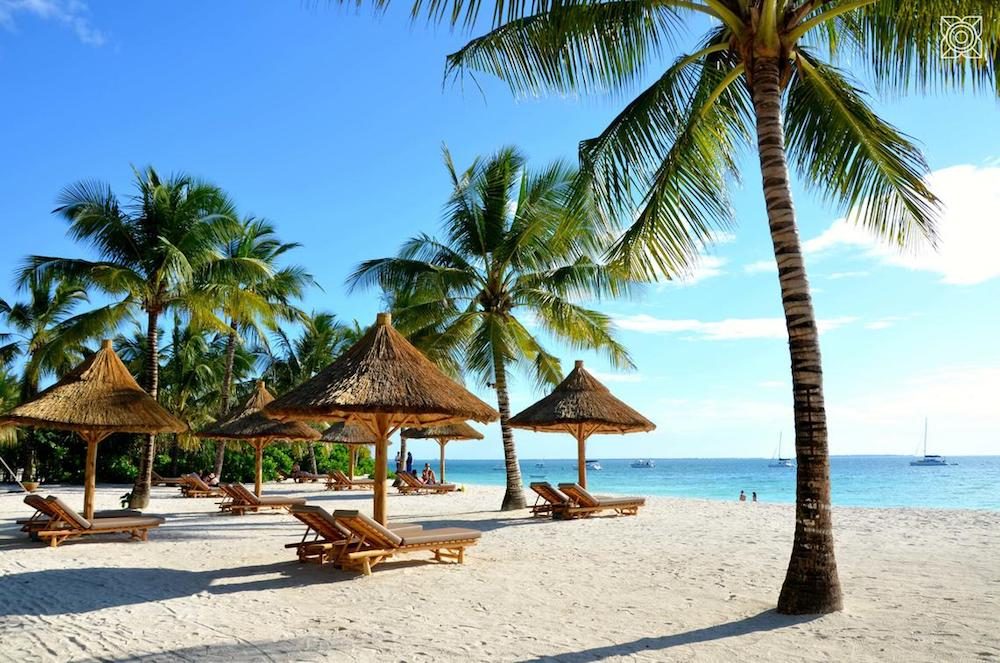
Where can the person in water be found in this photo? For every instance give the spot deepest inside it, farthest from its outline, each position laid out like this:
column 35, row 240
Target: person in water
column 754, row 496
column 743, row 496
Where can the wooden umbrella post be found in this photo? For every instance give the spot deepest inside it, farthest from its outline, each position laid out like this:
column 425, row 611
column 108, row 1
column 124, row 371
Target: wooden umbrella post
column 258, row 477
column 442, row 442
column 351, row 451
column 92, row 439
column 381, row 465
column 581, row 456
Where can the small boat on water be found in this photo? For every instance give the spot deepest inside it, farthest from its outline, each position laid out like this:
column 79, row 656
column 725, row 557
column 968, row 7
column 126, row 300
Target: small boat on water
column 590, row 464
column 779, row 460
column 929, row 460
column 643, row 463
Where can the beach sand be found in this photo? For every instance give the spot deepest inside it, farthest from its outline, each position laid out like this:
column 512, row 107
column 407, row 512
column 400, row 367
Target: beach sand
column 685, row 580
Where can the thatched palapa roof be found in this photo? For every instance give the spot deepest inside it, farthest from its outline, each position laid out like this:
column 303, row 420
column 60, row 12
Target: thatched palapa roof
column 382, row 374
column 248, row 423
column 581, row 399
column 98, row 396
column 348, row 433
column 456, row 431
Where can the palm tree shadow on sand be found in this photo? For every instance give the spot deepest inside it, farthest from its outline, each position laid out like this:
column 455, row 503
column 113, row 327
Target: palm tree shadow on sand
column 769, row 620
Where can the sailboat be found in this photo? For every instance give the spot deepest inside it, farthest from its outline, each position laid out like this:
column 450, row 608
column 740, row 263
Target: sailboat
column 932, row 460
column 778, row 460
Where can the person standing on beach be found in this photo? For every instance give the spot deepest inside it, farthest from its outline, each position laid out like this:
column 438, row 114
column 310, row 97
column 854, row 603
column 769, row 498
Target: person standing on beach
column 399, row 461
column 409, row 461
column 753, row 496
column 743, row 496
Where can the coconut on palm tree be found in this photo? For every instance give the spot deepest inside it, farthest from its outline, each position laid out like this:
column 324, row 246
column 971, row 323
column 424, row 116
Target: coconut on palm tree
column 765, row 74
column 47, row 333
column 513, row 264
column 150, row 250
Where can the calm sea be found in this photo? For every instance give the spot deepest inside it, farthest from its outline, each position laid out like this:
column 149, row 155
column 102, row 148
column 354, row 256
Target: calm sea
column 973, row 482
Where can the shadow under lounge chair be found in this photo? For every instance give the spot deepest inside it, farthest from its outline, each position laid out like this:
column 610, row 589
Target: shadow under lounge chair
column 371, row 543
column 585, row 505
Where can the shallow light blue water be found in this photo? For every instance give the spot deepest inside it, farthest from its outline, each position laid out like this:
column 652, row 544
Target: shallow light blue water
column 875, row 481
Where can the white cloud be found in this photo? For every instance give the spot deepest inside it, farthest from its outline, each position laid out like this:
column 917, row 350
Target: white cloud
column 847, row 275
column 968, row 230
column 773, row 384
column 70, row 13
column 761, row 266
column 617, row 377
column 721, row 330
column 721, row 237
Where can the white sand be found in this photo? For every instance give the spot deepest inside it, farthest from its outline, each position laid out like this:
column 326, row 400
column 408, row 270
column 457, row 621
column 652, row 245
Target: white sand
column 685, row 580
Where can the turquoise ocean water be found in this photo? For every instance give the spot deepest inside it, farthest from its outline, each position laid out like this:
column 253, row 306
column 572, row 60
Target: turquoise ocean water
column 875, row 481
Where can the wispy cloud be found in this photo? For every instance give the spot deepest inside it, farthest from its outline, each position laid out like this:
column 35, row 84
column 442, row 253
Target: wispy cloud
column 847, row 275
column 72, row 14
column 761, row 266
column 968, row 232
column 721, row 330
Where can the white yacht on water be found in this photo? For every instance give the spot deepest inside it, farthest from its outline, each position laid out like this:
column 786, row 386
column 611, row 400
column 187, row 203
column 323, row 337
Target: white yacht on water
column 778, row 460
column 932, row 460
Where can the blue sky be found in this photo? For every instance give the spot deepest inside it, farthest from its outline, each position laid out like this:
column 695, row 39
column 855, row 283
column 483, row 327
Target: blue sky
column 330, row 124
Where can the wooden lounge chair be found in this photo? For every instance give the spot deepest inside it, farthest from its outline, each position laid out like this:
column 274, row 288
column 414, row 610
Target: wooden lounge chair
column 243, row 500
column 371, row 543
column 549, row 499
column 337, row 480
column 69, row 524
column 193, row 486
column 167, row 481
column 585, row 505
column 44, row 513
column 413, row 484
column 324, row 536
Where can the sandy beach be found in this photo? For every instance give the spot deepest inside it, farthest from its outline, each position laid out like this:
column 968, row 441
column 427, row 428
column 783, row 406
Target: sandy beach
column 685, row 580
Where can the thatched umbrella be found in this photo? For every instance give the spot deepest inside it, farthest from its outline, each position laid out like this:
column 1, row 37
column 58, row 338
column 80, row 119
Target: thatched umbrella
column 383, row 383
column 581, row 406
column 249, row 425
column 352, row 435
column 97, row 398
column 443, row 435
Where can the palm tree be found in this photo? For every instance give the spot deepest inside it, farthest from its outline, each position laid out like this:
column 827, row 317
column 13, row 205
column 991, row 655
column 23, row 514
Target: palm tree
column 48, row 335
column 250, row 301
column 150, row 249
column 757, row 73
column 514, row 256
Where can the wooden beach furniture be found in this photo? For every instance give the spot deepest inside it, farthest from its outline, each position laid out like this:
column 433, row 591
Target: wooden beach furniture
column 193, row 486
column 166, row 481
column 413, row 484
column 243, row 500
column 68, row 524
column 44, row 513
column 371, row 543
column 337, row 480
column 585, row 504
column 442, row 435
column 549, row 499
column 324, row 536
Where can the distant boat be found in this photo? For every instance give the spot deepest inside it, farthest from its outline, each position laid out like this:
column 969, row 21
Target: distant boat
column 643, row 463
column 779, row 460
column 590, row 465
column 539, row 464
column 932, row 460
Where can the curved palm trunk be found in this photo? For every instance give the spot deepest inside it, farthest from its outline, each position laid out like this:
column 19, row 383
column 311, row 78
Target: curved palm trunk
column 811, row 584
column 514, row 497
column 227, row 388
column 140, row 491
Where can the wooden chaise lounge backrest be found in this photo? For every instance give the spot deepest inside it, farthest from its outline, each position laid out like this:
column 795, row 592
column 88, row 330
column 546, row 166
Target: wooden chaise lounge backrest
column 548, row 493
column 412, row 479
column 67, row 514
column 197, row 482
column 40, row 504
column 579, row 494
column 319, row 519
column 340, row 476
column 230, row 491
column 363, row 527
column 244, row 494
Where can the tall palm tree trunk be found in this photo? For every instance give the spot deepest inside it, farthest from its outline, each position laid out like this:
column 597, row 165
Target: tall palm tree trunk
column 227, row 388
column 140, row 491
column 514, row 497
column 811, row 584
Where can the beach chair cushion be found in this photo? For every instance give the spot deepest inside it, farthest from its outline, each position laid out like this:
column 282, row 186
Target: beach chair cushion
column 440, row 535
column 66, row 511
column 126, row 522
column 549, row 493
column 369, row 526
